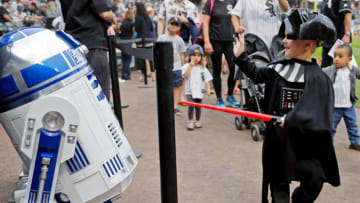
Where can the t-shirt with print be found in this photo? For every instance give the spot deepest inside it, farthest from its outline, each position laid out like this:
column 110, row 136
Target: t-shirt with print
column 220, row 19
column 260, row 17
column 178, row 48
column 170, row 8
column 195, row 84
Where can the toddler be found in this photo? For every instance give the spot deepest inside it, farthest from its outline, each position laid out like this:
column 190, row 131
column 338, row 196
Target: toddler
column 344, row 77
column 197, row 82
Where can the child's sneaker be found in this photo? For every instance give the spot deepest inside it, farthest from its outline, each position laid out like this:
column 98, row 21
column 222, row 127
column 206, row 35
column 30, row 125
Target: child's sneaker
column 177, row 112
column 355, row 146
column 198, row 124
column 220, row 103
column 190, row 125
column 232, row 102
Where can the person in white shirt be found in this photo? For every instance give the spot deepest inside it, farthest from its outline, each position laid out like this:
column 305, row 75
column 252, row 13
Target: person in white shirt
column 179, row 59
column 260, row 17
column 13, row 6
column 197, row 83
column 182, row 9
column 18, row 15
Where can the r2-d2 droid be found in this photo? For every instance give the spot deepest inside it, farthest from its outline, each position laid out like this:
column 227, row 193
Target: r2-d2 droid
column 59, row 121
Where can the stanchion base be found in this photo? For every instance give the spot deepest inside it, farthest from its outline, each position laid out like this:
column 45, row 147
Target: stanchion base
column 146, row 86
column 124, row 105
column 137, row 153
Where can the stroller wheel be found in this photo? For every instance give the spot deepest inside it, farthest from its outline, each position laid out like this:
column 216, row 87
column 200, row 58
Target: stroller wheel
column 247, row 122
column 255, row 133
column 238, row 122
column 262, row 127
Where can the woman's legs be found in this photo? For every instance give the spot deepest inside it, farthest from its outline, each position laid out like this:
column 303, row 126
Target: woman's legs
column 216, row 62
column 229, row 55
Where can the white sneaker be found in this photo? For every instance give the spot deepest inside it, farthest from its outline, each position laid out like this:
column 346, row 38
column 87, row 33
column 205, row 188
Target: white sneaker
column 121, row 80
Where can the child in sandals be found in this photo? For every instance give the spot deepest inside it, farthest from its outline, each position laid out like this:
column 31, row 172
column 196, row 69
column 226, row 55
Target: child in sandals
column 197, row 83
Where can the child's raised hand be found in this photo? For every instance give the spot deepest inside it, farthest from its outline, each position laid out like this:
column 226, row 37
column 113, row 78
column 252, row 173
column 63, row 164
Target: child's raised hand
column 239, row 45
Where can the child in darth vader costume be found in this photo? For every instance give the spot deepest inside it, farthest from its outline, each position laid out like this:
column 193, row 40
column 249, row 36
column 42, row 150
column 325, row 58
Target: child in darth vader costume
column 297, row 147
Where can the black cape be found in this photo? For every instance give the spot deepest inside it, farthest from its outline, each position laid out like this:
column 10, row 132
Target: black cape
column 305, row 143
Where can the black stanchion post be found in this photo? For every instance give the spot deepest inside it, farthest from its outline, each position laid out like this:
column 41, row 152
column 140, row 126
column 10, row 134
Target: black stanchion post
column 163, row 59
column 115, row 79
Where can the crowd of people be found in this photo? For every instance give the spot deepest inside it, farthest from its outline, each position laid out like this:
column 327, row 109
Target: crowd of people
column 26, row 13
column 214, row 32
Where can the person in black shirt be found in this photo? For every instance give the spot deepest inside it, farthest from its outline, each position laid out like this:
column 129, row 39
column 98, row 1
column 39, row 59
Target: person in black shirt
column 340, row 14
column 90, row 21
column 4, row 14
column 218, row 39
column 144, row 29
column 127, row 31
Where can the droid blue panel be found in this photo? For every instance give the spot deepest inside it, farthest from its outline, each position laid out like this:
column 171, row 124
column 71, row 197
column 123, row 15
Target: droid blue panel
column 7, row 87
column 31, row 31
column 49, row 68
column 10, row 38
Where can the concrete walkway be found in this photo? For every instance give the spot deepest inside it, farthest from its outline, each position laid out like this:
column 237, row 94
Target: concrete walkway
column 215, row 164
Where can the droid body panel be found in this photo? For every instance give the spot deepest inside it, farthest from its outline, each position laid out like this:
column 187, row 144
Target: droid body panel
column 59, row 120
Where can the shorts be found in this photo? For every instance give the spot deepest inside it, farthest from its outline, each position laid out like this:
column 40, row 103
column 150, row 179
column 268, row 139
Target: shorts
column 177, row 78
column 140, row 64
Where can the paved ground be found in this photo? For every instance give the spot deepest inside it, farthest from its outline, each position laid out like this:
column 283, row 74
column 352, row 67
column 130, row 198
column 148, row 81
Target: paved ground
column 215, row 164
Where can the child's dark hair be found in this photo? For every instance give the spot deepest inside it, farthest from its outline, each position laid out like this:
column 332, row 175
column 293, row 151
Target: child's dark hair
column 347, row 48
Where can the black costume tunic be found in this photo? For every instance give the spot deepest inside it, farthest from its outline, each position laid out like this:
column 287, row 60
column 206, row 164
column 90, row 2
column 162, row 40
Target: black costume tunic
column 301, row 90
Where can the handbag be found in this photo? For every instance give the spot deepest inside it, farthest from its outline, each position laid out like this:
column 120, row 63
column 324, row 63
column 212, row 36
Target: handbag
column 200, row 37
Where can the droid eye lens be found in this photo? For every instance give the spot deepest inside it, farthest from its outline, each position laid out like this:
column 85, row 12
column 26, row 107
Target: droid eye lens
column 53, row 121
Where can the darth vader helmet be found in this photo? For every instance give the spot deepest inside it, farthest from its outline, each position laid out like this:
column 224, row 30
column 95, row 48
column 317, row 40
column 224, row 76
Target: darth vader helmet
column 302, row 24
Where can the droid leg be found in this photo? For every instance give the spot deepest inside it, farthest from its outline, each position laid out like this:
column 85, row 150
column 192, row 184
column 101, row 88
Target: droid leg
column 44, row 168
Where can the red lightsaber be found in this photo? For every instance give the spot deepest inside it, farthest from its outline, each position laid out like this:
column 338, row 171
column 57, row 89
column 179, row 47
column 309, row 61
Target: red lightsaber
column 259, row 116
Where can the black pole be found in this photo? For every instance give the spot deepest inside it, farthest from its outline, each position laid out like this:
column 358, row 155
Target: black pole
column 163, row 59
column 115, row 79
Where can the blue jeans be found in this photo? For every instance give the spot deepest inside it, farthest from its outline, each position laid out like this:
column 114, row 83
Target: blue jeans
column 349, row 115
column 126, row 61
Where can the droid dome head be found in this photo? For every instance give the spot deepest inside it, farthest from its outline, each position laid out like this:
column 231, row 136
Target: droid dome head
column 36, row 62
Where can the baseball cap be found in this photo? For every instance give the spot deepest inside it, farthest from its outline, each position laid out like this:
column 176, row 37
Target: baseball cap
column 195, row 49
column 20, row 7
column 174, row 20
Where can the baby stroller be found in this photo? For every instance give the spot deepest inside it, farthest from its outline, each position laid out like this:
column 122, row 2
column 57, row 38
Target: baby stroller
column 254, row 93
